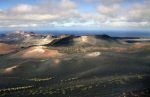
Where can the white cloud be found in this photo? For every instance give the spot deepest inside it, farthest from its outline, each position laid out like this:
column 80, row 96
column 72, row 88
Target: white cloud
column 113, row 10
column 48, row 11
column 22, row 8
column 66, row 13
column 140, row 12
column 40, row 17
column 23, row 25
column 105, row 2
column 137, row 15
column 67, row 4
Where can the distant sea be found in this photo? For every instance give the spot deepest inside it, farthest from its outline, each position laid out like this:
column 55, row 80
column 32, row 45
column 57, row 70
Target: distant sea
column 91, row 32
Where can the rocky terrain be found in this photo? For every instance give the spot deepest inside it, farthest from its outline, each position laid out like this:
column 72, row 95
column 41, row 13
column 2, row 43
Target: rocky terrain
column 73, row 66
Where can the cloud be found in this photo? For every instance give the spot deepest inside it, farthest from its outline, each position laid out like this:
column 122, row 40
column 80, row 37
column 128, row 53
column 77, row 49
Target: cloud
column 66, row 4
column 22, row 8
column 48, row 12
column 139, row 12
column 111, row 11
column 67, row 13
column 136, row 15
column 105, row 2
column 40, row 17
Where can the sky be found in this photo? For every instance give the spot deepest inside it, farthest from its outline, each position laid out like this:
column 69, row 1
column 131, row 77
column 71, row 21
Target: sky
column 75, row 14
